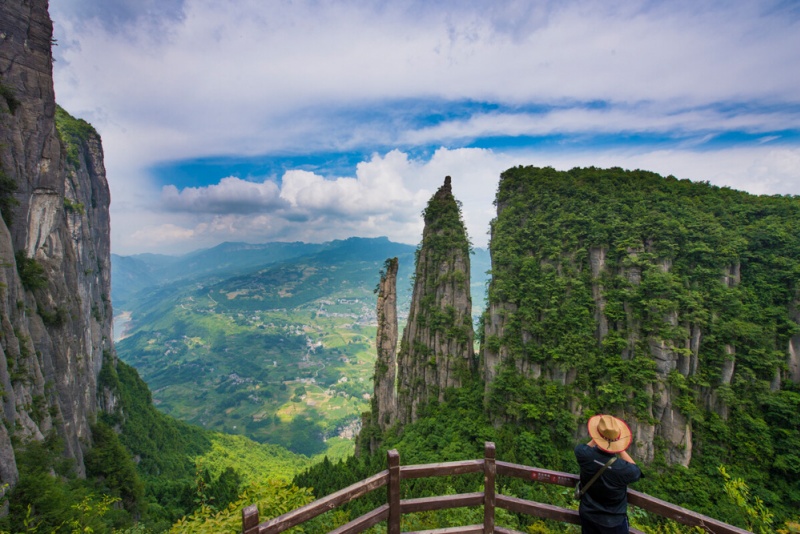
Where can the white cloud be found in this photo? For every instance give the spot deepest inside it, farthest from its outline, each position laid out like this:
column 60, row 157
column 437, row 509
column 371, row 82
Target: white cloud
column 644, row 119
column 234, row 77
column 202, row 79
column 377, row 187
column 383, row 198
column 230, row 195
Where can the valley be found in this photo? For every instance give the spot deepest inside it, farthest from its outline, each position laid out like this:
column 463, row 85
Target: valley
column 283, row 354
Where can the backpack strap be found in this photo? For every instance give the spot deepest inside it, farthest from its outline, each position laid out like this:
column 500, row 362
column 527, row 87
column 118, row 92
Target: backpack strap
column 596, row 476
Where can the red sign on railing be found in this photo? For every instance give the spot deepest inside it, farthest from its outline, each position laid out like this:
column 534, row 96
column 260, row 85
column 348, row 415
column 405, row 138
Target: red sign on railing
column 550, row 477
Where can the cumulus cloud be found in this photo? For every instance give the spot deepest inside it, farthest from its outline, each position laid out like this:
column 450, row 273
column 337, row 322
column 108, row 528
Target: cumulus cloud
column 231, row 194
column 383, row 198
column 377, row 188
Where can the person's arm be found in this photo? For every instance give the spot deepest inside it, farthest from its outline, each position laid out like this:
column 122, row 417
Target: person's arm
column 592, row 443
column 627, row 457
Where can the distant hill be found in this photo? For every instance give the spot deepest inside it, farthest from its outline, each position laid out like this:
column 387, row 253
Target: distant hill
column 131, row 274
column 140, row 273
column 348, row 268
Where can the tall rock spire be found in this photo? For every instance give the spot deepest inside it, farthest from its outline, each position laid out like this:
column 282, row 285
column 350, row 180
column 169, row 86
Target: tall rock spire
column 436, row 351
column 386, row 342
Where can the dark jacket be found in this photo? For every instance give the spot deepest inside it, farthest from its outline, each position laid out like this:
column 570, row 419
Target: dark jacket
column 606, row 502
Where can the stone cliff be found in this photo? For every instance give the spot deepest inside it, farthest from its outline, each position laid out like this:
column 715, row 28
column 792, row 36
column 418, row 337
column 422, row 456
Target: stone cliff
column 648, row 297
column 383, row 404
column 55, row 309
column 436, row 351
column 386, row 343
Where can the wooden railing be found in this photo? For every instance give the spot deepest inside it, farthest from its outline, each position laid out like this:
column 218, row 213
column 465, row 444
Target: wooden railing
column 489, row 499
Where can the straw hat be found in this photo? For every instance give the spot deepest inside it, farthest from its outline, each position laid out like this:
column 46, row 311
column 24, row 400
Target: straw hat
column 610, row 433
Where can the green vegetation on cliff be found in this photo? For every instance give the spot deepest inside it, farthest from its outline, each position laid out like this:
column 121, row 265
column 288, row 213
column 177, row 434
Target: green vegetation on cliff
column 73, row 134
column 183, row 466
column 7, row 201
column 436, row 349
column 700, row 287
column 444, row 244
column 50, row 496
column 8, row 95
column 660, row 299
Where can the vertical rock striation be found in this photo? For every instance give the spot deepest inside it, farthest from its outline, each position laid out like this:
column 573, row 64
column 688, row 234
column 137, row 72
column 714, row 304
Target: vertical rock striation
column 386, row 343
column 55, row 311
column 793, row 359
column 436, row 351
column 647, row 297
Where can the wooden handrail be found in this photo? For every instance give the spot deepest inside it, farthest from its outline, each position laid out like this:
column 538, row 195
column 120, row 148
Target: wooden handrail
column 489, row 499
column 540, row 475
column 312, row 510
column 443, row 469
column 441, row 502
column 489, row 476
column 393, row 459
column 360, row 524
column 680, row 514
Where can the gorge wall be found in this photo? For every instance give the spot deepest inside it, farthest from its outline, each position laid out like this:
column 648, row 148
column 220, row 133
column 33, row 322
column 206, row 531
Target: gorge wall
column 55, row 309
column 665, row 302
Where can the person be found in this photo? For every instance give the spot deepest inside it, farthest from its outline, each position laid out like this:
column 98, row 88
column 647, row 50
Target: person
column 604, row 506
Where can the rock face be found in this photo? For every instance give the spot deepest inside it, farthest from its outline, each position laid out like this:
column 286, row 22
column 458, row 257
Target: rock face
column 625, row 291
column 793, row 361
column 664, row 420
column 386, row 342
column 436, row 351
column 55, row 311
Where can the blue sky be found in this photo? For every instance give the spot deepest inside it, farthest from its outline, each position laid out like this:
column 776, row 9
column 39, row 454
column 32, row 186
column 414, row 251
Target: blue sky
column 317, row 119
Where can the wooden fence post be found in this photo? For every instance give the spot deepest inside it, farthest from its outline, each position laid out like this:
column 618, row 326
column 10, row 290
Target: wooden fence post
column 489, row 475
column 249, row 518
column 393, row 459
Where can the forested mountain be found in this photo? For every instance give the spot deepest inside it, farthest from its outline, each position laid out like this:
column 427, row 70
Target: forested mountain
column 669, row 303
